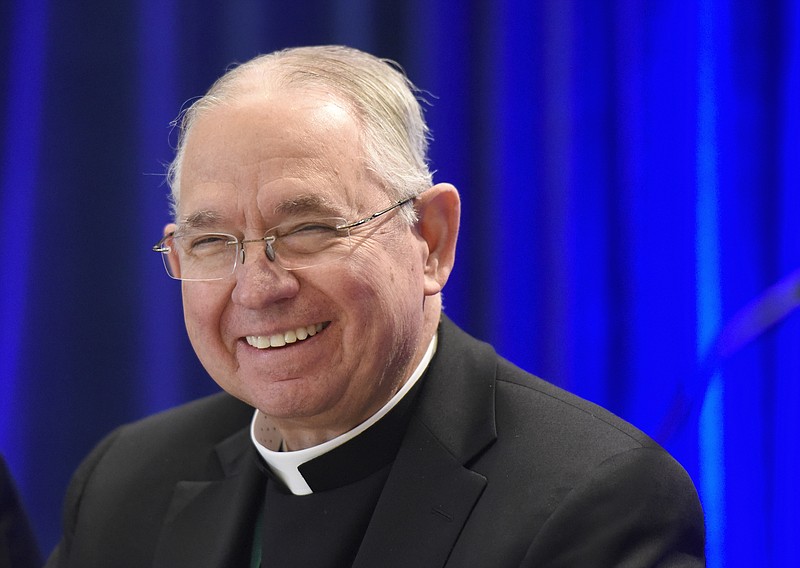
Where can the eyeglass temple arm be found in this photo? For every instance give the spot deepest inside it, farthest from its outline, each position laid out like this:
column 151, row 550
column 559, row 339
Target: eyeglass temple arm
column 159, row 246
column 378, row 214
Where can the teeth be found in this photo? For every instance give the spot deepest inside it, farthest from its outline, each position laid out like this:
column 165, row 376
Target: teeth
column 281, row 339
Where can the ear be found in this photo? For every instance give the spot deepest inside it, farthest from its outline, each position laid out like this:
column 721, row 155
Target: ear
column 172, row 258
column 439, row 213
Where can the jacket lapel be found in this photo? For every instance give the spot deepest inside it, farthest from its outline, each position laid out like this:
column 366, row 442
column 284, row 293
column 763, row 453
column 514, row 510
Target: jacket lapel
column 430, row 492
column 210, row 523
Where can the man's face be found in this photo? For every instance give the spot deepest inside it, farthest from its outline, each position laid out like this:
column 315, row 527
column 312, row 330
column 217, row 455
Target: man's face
column 267, row 161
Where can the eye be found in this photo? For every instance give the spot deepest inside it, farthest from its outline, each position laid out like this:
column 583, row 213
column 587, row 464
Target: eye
column 312, row 228
column 207, row 243
column 208, row 240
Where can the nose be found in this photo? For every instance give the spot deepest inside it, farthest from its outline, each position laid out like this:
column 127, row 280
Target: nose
column 259, row 280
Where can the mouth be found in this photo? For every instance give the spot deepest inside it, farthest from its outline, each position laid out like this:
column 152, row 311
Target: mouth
column 288, row 337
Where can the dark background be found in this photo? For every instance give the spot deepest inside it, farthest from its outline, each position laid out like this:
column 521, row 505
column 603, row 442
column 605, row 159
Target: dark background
column 629, row 173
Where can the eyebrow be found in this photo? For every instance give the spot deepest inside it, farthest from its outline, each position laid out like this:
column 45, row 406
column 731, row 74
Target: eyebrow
column 307, row 205
column 203, row 219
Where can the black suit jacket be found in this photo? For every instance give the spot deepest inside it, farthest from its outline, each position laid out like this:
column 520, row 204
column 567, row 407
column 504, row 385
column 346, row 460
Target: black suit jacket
column 497, row 469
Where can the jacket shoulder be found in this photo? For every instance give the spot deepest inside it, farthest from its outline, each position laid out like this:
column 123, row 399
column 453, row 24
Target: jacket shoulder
column 200, row 423
column 123, row 488
column 575, row 415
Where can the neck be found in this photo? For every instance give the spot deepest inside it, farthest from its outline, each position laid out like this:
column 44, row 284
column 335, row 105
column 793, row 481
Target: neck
column 302, row 433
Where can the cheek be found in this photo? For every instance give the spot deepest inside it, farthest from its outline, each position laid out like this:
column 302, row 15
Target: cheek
column 383, row 288
column 202, row 309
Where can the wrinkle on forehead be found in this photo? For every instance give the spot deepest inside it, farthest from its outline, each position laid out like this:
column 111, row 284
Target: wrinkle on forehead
column 305, row 166
column 314, row 122
column 284, row 156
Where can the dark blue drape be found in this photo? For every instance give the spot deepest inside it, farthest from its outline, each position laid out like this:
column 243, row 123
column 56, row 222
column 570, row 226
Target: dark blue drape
column 630, row 179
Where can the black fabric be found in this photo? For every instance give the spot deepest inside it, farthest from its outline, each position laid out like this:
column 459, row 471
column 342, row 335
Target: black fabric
column 323, row 529
column 497, row 468
column 18, row 548
column 361, row 456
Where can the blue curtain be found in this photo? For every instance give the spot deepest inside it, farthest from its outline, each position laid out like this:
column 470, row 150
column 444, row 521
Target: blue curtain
column 629, row 172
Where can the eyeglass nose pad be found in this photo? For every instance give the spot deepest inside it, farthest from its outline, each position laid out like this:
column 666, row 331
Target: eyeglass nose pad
column 269, row 251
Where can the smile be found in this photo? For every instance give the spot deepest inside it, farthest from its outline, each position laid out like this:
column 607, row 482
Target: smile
column 285, row 338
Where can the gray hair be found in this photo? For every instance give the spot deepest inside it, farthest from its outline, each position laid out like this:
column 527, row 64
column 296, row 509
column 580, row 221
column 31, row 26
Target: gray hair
column 383, row 100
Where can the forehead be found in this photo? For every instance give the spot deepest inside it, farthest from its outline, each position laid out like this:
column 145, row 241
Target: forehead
column 273, row 153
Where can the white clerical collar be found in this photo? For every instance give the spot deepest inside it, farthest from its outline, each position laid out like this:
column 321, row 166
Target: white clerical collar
column 284, row 465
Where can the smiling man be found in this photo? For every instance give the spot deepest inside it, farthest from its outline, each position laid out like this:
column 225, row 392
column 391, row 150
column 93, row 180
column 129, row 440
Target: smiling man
column 359, row 426
column 317, row 349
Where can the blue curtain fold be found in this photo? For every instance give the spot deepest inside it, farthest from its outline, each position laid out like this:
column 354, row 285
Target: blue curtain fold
column 629, row 176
